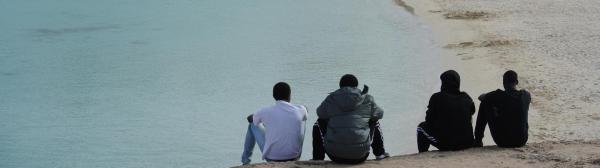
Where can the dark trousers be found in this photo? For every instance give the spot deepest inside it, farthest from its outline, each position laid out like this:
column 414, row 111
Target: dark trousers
column 424, row 139
column 506, row 139
column 318, row 134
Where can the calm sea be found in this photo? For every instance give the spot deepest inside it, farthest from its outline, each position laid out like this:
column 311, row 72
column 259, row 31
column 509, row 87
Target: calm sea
column 157, row 83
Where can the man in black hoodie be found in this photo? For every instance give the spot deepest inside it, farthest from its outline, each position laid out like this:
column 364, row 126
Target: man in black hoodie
column 447, row 123
column 506, row 113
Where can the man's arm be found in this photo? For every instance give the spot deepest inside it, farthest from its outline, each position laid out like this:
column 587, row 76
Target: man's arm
column 305, row 113
column 430, row 113
column 376, row 110
column 257, row 117
column 526, row 108
column 481, row 123
column 322, row 109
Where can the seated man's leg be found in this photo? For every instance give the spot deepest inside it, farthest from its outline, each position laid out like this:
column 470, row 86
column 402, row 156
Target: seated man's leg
column 506, row 138
column 318, row 135
column 377, row 145
column 424, row 140
column 254, row 135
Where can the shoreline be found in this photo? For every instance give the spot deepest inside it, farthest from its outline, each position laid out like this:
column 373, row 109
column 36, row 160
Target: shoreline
column 481, row 40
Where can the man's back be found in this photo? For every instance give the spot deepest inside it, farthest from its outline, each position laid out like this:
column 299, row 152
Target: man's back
column 448, row 118
column 348, row 131
column 284, row 130
column 506, row 112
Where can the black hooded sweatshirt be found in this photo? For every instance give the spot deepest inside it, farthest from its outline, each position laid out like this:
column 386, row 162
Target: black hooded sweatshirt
column 449, row 112
column 506, row 113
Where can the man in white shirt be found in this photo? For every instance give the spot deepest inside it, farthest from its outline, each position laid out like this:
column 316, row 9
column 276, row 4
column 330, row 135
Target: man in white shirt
column 283, row 133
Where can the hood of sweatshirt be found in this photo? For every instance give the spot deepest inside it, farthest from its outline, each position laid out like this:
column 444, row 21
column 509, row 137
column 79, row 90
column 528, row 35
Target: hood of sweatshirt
column 347, row 98
column 450, row 82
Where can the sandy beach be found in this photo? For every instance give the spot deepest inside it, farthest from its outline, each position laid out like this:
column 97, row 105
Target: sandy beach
column 553, row 47
column 550, row 45
column 548, row 154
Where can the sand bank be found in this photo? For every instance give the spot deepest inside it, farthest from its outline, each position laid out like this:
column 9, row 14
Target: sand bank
column 547, row 154
column 553, row 45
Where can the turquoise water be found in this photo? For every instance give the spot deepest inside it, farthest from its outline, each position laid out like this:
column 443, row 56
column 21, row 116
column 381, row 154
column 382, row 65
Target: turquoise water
column 124, row 83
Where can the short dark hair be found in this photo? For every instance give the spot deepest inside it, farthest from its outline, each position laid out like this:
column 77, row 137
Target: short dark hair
column 348, row 80
column 510, row 78
column 281, row 91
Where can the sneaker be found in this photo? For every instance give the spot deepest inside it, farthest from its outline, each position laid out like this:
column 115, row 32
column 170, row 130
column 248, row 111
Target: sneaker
column 383, row 156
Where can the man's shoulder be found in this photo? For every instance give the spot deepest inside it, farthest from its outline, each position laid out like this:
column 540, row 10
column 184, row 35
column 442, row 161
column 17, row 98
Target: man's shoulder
column 525, row 92
column 300, row 108
column 265, row 109
column 436, row 95
column 441, row 96
column 465, row 95
column 286, row 107
column 494, row 94
column 525, row 95
column 497, row 91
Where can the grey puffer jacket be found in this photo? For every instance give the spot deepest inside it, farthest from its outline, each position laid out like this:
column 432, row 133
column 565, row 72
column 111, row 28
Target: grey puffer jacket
column 349, row 112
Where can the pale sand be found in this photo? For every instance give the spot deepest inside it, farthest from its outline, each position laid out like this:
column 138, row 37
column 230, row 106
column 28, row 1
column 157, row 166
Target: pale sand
column 553, row 45
column 555, row 48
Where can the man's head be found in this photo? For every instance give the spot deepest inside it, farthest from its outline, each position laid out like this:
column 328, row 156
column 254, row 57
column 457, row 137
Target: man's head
column 348, row 80
column 510, row 80
column 282, row 91
column 450, row 81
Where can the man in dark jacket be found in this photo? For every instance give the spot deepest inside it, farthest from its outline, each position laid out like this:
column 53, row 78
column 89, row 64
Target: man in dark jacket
column 348, row 125
column 506, row 113
column 447, row 123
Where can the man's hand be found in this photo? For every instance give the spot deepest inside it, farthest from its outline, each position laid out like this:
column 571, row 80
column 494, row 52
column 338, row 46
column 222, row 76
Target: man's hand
column 481, row 97
column 365, row 89
column 372, row 122
column 249, row 118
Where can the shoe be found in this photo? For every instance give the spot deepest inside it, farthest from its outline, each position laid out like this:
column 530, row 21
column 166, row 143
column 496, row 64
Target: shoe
column 383, row 156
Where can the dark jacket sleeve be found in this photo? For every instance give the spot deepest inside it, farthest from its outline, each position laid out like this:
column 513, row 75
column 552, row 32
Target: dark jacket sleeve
column 322, row 109
column 431, row 110
column 472, row 106
column 481, row 119
column 377, row 112
column 527, row 102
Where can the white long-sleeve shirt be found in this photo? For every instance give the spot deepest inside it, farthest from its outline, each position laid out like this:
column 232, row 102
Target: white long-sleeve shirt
column 284, row 130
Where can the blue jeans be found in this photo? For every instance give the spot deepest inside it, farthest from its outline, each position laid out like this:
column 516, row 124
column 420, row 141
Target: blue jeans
column 254, row 135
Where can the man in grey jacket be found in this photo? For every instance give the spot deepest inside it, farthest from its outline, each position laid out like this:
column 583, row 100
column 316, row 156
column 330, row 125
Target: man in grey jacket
column 348, row 125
